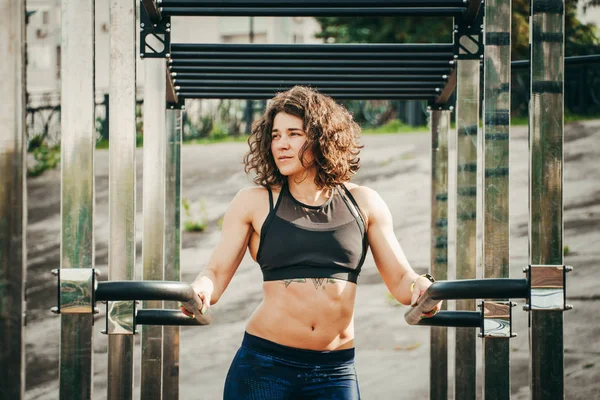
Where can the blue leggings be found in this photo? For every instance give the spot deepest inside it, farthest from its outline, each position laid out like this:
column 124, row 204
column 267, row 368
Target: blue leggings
column 264, row 370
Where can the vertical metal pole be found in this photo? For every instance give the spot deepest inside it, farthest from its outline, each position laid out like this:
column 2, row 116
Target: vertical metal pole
column 467, row 121
column 121, row 188
column 546, row 126
column 154, row 216
column 77, row 183
column 496, row 128
column 172, row 249
column 440, row 124
column 13, row 199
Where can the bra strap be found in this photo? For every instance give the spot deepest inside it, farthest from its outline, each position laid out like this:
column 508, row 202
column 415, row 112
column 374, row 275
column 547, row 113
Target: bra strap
column 270, row 198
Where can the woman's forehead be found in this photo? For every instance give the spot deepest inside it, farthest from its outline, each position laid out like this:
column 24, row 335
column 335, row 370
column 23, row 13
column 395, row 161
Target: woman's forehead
column 284, row 120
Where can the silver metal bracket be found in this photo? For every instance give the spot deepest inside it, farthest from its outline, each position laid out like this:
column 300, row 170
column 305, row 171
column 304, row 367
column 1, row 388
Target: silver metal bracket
column 432, row 106
column 120, row 318
column 155, row 37
column 496, row 319
column 547, row 287
column 468, row 37
column 76, row 289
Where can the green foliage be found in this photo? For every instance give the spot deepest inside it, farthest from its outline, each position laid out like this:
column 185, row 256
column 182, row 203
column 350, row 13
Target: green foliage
column 35, row 142
column 394, row 126
column 191, row 224
column 46, row 157
column 581, row 39
column 566, row 250
column 385, row 29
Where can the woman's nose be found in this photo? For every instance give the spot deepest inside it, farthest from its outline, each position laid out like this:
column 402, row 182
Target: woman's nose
column 283, row 143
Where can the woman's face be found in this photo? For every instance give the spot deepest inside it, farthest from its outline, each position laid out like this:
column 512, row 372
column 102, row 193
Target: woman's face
column 287, row 138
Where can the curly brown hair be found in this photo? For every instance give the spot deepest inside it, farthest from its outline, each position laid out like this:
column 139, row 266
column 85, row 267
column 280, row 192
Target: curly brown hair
column 332, row 135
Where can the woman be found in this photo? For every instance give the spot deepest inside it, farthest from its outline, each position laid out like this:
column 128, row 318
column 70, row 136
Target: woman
column 308, row 228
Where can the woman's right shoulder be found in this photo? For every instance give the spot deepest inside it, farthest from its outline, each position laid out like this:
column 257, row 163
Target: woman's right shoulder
column 256, row 195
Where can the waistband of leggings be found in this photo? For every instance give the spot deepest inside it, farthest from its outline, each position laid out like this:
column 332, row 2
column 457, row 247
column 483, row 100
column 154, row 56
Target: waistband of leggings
column 267, row 347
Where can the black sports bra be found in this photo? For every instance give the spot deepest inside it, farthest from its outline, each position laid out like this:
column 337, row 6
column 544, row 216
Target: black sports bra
column 302, row 241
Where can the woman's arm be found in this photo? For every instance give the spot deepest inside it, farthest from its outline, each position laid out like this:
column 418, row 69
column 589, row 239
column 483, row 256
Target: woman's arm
column 389, row 257
column 227, row 255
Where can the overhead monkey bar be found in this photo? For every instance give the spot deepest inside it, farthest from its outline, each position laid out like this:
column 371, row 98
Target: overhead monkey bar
column 307, row 8
column 267, row 96
column 313, row 12
column 312, row 51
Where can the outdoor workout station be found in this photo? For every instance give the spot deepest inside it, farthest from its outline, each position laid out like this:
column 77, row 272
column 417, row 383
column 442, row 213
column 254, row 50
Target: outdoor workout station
column 475, row 66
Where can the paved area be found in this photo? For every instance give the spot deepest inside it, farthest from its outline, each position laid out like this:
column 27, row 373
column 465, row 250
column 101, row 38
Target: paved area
column 392, row 357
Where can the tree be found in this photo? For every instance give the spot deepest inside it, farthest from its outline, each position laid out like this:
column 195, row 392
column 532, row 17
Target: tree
column 581, row 39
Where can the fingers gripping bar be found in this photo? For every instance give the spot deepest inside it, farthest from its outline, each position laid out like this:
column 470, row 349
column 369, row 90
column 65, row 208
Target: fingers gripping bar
column 156, row 290
column 465, row 289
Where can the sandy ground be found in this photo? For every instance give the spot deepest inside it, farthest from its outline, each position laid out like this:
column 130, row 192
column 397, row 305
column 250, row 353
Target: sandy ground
column 392, row 357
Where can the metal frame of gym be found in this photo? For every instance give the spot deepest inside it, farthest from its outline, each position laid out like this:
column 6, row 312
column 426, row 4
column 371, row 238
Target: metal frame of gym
column 174, row 72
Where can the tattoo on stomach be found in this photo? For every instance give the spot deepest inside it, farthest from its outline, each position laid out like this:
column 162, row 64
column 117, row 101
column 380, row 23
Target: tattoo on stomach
column 318, row 282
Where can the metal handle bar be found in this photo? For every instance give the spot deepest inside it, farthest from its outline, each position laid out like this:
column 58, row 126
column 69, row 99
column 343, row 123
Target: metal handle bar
column 456, row 319
column 154, row 290
column 151, row 316
column 466, row 289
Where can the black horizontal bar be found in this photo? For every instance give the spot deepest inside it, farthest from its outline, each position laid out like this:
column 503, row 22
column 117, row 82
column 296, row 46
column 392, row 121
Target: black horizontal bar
column 313, row 48
column 188, row 77
column 296, row 55
column 502, row 288
column 313, row 3
column 456, row 319
column 312, row 11
column 327, row 91
column 547, row 6
column 188, row 83
column 152, row 290
column 316, row 70
column 153, row 316
column 248, row 62
column 573, row 60
column 266, row 96
column 144, row 290
column 543, row 87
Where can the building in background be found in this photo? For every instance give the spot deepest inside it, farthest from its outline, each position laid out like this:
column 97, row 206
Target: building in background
column 44, row 39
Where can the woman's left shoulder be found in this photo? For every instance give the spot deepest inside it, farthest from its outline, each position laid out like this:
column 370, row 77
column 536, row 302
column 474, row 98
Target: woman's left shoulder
column 364, row 196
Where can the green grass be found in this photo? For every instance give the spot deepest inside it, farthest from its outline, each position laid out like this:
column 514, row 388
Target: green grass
column 193, row 226
column 217, row 139
column 394, row 126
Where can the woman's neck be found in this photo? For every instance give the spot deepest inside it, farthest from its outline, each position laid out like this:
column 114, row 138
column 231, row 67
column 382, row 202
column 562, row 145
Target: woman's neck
column 308, row 192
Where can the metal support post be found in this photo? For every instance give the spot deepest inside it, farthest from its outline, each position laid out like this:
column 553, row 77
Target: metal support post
column 122, row 183
column 154, row 217
column 440, row 125
column 77, row 181
column 172, row 248
column 468, row 42
column 467, row 120
column 546, row 131
column 13, row 200
column 496, row 129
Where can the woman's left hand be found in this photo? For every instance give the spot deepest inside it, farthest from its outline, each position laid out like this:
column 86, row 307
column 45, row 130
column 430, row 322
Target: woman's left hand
column 420, row 286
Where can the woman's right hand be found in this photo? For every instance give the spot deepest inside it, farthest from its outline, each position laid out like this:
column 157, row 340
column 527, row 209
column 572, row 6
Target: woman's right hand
column 203, row 288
